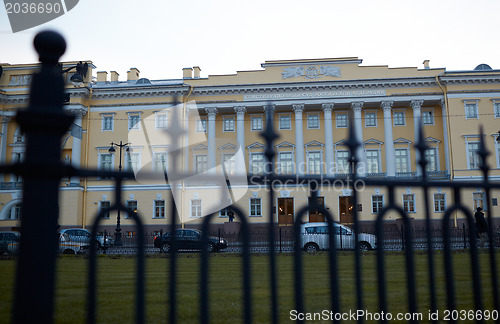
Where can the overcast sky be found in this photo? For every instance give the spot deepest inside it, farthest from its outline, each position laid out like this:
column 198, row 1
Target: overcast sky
column 161, row 37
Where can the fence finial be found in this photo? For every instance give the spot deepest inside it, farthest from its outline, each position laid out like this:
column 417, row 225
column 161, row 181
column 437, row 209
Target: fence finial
column 50, row 46
column 482, row 152
column 422, row 147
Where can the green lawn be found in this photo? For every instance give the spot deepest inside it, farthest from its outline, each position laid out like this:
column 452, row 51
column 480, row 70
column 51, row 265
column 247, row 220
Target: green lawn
column 116, row 286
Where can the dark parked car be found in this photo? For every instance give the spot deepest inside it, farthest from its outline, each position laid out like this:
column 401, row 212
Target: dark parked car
column 188, row 239
column 9, row 242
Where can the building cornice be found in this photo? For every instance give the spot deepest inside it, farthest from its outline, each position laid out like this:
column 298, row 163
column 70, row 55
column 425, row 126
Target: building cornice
column 470, row 79
column 139, row 92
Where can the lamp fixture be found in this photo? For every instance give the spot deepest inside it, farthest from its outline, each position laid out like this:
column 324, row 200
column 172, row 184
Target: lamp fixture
column 81, row 72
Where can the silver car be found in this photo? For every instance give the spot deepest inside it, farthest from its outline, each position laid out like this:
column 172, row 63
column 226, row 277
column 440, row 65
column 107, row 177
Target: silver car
column 82, row 235
column 314, row 237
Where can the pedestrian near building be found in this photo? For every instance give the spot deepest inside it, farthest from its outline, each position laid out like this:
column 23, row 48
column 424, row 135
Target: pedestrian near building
column 481, row 227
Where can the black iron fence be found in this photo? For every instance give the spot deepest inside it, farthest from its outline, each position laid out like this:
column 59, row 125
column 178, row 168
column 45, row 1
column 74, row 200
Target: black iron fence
column 44, row 124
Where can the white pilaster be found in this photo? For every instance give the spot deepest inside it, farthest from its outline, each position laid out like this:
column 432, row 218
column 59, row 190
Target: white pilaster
column 329, row 157
column 358, row 131
column 299, row 139
column 3, row 145
column 390, row 158
column 240, row 125
column 212, row 112
column 416, row 105
column 445, row 136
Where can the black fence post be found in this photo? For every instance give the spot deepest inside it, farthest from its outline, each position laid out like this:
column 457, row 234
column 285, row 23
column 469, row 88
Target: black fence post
column 465, row 235
column 402, row 238
column 44, row 123
column 281, row 241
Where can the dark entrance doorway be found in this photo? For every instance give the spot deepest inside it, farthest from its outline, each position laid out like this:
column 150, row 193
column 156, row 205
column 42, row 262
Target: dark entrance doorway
column 316, row 215
column 345, row 209
column 285, row 211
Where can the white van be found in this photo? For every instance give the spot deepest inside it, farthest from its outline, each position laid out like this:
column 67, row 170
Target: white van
column 314, row 237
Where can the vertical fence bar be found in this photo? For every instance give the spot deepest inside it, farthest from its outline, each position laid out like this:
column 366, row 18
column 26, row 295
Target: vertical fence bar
column 44, row 124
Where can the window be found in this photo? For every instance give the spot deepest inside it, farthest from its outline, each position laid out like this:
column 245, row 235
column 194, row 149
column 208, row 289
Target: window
column 439, row 202
column 107, row 122
column 341, row 120
column 159, row 208
column 223, row 212
column 132, row 205
column 103, row 205
column 133, row 161
column 228, row 124
column 496, row 108
column 478, row 198
column 399, row 118
column 431, row 158
column 313, row 121
column 401, row 160
column 285, row 122
column 105, row 161
column 472, row 156
column 255, row 207
column 14, row 212
column 428, row 117
column 409, row 203
column 372, row 161
column 370, row 119
column 257, row 163
column 201, row 163
column 256, row 123
column 229, row 163
column 471, row 110
column 314, row 162
column 196, row 208
column 342, row 162
column 377, row 203
column 161, row 120
column 160, row 162
column 285, row 162
column 134, row 121
column 201, row 125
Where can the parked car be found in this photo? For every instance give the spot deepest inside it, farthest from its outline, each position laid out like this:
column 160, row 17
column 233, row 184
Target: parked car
column 314, row 237
column 69, row 246
column 9, row 242
column 82, row 235
column 188, row 239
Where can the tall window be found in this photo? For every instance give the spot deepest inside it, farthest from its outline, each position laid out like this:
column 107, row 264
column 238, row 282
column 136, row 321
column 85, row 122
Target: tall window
column 313, row 121
column 285, row 162
column 472, row 155
column 196, row 208
column 201, row 163
column 399, row 118
column 228, row 124
column 428, row 117
column 439, row 202
column 159, row 207
column 257, row 163
column 104, row 205
column 161, row 120
column 401, row 160
column 478, row 198
column 105, row 161
column 160, row 162
column 341, row 120
column 342, row 162
column 372, row 161
column 201, row 125
column 107, row 122
column 377, row 203
column 496, row 107
column 229, row 163
column 370, row 119
column 471, row 110
column 255, row 207
column 431, row 158
column 134, row 121
column 314, row 162
column 133, row 161
column 409, row 203
column 285, row 122
column 256, row 123
column 132, row 205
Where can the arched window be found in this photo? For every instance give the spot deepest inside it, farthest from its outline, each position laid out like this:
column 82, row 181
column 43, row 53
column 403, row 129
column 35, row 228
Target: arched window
column 11, row 210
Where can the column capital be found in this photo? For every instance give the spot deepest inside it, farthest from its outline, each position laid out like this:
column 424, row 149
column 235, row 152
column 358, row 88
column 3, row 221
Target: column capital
column 6, row 119
column 386, row 105
column 211, row 111
column 416, row 104
column 78, row 111
column 270, row 108
column 443, row 104
column 298, row 108
column 240, row 110
column 327, row 107
column 357, row 105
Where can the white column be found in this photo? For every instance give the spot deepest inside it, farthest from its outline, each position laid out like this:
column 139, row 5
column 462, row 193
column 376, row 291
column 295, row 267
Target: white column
column 390, row 158
column 3, row 145
column 76, row 149
column 327, row 112
column 416, row 105
column 358, row 131
column 211, row 137
column 299, row 139
column 445, row 136
column 240, row 126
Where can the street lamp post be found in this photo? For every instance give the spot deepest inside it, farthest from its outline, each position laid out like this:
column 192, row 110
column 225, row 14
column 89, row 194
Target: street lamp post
column 118, row 234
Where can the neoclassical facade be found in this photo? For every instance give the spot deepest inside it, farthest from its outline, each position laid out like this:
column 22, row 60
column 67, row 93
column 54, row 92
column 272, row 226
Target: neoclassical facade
column 211, row 125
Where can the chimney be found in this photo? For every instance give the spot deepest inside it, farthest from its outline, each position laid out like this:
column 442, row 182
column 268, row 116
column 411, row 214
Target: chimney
column 114, row 76
column 187, row 73
column 197, row 71
column 133, row 74
column 102, row 76
column 426, row 64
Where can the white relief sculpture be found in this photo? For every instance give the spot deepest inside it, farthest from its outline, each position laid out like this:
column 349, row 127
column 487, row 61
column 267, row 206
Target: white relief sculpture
column 292, row 72
column 329, row 70
column 311, row 72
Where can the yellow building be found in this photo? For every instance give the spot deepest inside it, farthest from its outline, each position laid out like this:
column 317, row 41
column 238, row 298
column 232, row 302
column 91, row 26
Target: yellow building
column 223, row 115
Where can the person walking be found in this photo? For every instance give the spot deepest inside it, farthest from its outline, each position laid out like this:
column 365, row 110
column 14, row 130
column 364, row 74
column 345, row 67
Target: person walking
column 481, row 227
